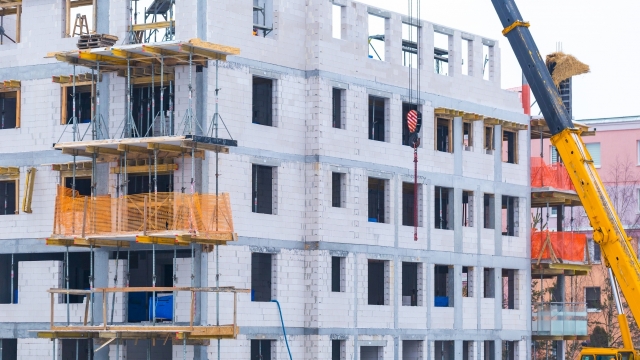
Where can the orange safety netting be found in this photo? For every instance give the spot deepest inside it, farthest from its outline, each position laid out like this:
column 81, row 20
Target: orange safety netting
column 557, row 246
column 545, row 175
column 198, row 214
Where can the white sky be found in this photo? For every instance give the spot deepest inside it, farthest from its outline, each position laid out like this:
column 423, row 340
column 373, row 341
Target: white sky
column 602, row 34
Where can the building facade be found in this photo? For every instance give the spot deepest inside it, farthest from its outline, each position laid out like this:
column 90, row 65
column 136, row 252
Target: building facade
column 321, row 185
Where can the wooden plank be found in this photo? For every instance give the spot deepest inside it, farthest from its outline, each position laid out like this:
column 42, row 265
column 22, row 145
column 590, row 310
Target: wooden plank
column 142, row 239
column 134, row 149
column 102, row 150
column 101, row 243
column 78, row 3
column 59, row 242
column 228, row 50
column 153, row 25
column 202, row 146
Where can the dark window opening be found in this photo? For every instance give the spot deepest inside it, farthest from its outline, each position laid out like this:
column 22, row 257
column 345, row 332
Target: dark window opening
column 444, row 350
column 8, row 197
column 409, row 205
column 467, row 349
column 261, row 349
column 376, row 283
column 508, row 289
column 592, row 297
column 261, row 277
column 489, row 350
column 443, row 291
column 443, row 208
column 337, row 186
column 337, row 108
column 509, row 147
column 509, row 349
column 140, row 184
column 489, row 283
column 409, row 284
column 467, row 208
column 337, row 274
column 83, row 185
column 377, row 118
column 467, row 136
column 377, row 200
column 337, row 349
column 262, row 186
column 9, row 110
column 9, row 349
column 146, row 112
column 412, row 349
column 74, row 349
column 468, row 287
column 488, row 140
column 441, row 53
column 262, row 101
column 597, row 253
column 444, row 135
column 83, row 104
column 371, row 352
column 510, row 214
column 489, row 211
column 406, row 107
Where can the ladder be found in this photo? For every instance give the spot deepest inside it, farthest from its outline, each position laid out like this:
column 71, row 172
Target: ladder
column 80, row 27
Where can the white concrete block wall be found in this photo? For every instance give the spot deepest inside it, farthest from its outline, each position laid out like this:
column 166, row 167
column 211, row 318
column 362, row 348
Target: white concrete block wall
column 38, row 349
column 183, row 300
column 116, row 304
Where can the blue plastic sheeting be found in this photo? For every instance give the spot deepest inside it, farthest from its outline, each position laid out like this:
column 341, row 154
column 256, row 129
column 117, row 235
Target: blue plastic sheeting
column 441, row 301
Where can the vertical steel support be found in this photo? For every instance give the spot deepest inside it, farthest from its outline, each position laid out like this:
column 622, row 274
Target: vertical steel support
column 12, row 274
column 153, row 280
column 66, row 280
column 91, row 283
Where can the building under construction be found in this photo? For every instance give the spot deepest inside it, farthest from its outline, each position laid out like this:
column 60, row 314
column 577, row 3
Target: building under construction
column 193, row 179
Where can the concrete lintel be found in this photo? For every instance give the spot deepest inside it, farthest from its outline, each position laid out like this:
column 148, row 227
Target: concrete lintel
column 339, row 2
column 338, row 337
column 413, row 21
column 443, row 30
column 265, row 74
column 415, row 259
column 338, row 253
column 381, row 343
column 467, row 36
column 488, row 42
column 379, row 257
column 379, row 12
column 263, row 337
column 339, row 84
column 412, row 337
column 379, row 93
column 406, row 99
column 380, row 174
column 339, row 169
column 264, row 249
column 265, row 161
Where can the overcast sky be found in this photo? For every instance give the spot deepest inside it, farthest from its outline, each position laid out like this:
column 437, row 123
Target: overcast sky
column 602, row 34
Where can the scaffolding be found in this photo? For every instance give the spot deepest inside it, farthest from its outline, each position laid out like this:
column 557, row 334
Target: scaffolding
column 158, row 22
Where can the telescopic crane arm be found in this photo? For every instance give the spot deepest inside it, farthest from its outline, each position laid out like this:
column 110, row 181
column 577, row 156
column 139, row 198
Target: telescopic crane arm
column 607, row 228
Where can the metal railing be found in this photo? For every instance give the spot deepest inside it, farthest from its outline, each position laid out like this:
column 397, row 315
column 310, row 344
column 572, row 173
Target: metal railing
column 559, row 319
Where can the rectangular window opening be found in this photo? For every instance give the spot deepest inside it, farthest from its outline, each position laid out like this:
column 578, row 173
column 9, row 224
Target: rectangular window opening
column 412, row 349
column 441, row 53
column 80, row 19
column 444, row 135
column 9, row 197
column 378, row 287
column 489, row 350
column 487, row 53
column 9, row 348
column 9, row 109
column 74, row 349
column 489, row 211
column 149, row 118
column 594, row 152
column 510, row 215
column 261, row 349
column 489, row 283
column 262, row 17
column 338, row 350
column 137, row 184
column 409, row 45
column 377, row 44
column 337, row 274
column 338, row 108
column 83, row 184
column 592, row 297
column 509, row 350
column 444, row 350
column 261, row 277
column 82, row 102
column 409, row 205
column 509, row 287
column 262, row 101
column 336, row 17
column 410, row 286
column 406, row 134
column 443, row 208
column 466, row 52
column 377, row 118
column 338, row 186
column 11, row 23
column 468, row 289
column 371, row 352
column 489, row 144
column 262, row 178
column 443, row 286
column 377, row 200
column 467, row 350
column 467, row 208
column 555, row 157
column 593, row 252
column 467, row 136
column 510, row 147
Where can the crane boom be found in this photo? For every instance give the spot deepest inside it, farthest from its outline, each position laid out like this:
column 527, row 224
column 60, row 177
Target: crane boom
column 607, row 228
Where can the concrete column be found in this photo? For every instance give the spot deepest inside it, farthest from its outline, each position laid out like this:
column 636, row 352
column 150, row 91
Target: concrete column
column 560, row 218
column 393, row 40
column 457, row 146
column 475, row 58
column 426, row 49
column 455, row 58
column 101, row 279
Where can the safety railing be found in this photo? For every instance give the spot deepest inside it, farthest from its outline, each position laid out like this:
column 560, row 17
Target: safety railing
column 558, row 246
column 559, row 319
column 545, row 175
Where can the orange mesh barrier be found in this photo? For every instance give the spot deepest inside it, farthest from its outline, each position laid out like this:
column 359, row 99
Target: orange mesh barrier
column 555, row 176
column 556, row 246
column 199, row 214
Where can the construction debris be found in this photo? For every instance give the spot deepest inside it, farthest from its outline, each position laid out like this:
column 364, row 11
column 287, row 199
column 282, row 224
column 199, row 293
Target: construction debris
column 563, row 66
column 96, row 41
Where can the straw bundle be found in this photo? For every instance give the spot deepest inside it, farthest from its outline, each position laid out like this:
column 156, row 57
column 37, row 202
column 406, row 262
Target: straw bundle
column 564, row 66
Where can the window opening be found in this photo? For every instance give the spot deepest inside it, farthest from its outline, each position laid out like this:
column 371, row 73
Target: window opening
column 145, row 109
column 80, row 18
column 261, row 349
column 262, row 101
column 377, row 283
column 261, row 268
column 337, row 110
column 509, row 147
column 377, row 45
column 83, row 104
column 555, row 157
column 443, row 208
column 262, row 17
column 408, row 205
column 509, row 289
column 83, row 185
column 338, row 350
column 467, row 136
column 466, row 53
column 443, row 289
column 337, row 189
column 262, row 185
column 336, row 16
column 409, row 46
column 489, row 211
column 486, row 62
column 140, row 184
column 412, row 349
column 371, row 352
column 509, row 350
column 409, row 284
column 377, row 200
column 489, row 283
column 467, row 350
column 489, row 350
column 467, row 208
column 592, row 297
column 377, row 118
column 510, row 215
column 594, row 152
column 158, row 23
column 9, row 348
column 406, row 133
column 441, row 53
column 337, row 274
column 444, row 135
column 468, row 289
column 9, row 108
column 11, row 15
column 444, row 350
column 74, row 349
column 489, row 145
column 9, row 197
column 594, row 251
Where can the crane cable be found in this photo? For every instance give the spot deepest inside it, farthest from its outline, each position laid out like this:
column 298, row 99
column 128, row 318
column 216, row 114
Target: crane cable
column 414, row 117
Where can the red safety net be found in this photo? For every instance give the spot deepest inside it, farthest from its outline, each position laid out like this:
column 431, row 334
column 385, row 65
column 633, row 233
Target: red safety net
column 545, row 175
column 556, row 246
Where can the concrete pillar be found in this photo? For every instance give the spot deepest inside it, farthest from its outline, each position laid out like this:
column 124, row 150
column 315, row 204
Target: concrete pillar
column 100, row 261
